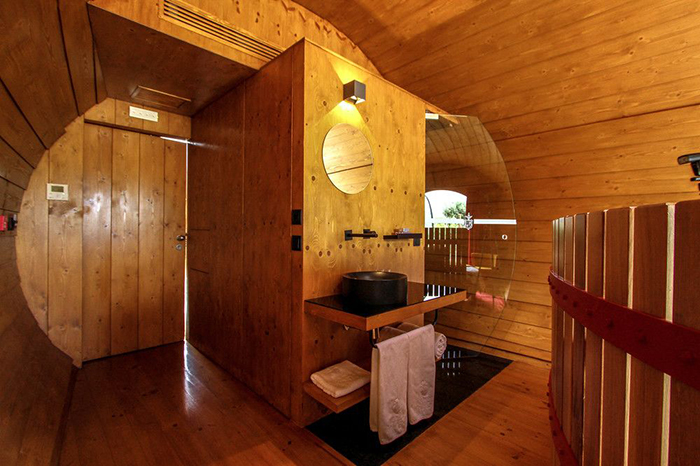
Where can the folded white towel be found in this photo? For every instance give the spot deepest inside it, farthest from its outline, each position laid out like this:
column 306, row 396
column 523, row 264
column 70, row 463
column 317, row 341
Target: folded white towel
column 421, row 373
column 388, row 392
column 341, row 379
column 440, row 339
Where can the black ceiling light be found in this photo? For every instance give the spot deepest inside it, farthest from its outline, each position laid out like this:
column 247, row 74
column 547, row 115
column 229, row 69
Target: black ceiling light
column 354, row 92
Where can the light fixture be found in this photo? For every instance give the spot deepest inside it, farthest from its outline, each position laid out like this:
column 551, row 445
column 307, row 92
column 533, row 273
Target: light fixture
column 431, row 116
column 354, row 92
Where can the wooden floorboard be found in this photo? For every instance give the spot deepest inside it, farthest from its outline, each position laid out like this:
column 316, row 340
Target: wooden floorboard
column 171, row 405
column 504, row 423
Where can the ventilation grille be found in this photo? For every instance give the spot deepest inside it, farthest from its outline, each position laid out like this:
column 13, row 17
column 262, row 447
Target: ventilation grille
column 192, row 18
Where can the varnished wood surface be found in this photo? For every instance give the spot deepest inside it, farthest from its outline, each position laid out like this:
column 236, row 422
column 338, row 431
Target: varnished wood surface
column 171, row 405
column 589, row 103
column 36, row 384
column 649, row 294
column 503, row 423
column 613, row 411
column 337, row 405
column 394, row 123
column 278, row 23
column 132, row 55
column 94, row 282
column 683, row 447
column 383, row 319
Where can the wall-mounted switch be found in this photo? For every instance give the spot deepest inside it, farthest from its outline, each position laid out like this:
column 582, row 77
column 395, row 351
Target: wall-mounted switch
column 296, row 243
column 12, row 222
column 296, row 217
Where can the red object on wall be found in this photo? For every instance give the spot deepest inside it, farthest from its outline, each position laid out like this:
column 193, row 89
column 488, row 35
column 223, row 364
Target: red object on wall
column 3, row 223
column 668, row 347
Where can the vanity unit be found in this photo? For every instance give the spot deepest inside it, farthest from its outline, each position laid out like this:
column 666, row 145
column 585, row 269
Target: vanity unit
column 271, row 199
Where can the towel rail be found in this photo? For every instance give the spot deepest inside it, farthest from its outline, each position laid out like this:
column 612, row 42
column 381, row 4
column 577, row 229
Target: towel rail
column 374, row 333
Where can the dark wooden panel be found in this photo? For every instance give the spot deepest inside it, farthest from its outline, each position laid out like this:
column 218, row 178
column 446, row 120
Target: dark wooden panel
column 617, row 228
column 16, row 131
column 37, row 381
column 33, row 66
column 13, row 167
column 646, row 397
column 683, row 447
column 175, row 192
column 77, row 37
column 217, row 313
column 242, row 164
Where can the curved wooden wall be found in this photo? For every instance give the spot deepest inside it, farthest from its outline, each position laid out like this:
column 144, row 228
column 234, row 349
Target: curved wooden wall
column 614, row 408
column 590, row 102
column 49, row 75
column 63, row 255
column 46, row 78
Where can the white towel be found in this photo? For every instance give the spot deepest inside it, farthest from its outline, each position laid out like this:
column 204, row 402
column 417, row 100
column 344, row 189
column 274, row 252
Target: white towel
column 440, row 339
column 388, row 389
column 389, row 332
column 421, row 373
column 341, row 379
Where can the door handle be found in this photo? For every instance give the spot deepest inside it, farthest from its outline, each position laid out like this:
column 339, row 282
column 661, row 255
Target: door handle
column 181, row 238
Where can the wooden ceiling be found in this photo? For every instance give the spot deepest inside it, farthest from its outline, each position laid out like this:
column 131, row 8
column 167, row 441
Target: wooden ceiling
column 134, row 57
column 526, row 66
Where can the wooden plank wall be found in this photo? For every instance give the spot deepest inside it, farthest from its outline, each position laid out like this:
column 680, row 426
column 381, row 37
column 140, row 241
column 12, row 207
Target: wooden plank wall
column 46, row 76
column 594, row 127
column 632, row 412
column 240, row 242
column 393, row 122
column 93, row 267
column 589, row 102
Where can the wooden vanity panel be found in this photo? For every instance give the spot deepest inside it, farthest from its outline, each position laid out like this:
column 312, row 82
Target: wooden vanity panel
column 240, row 191
column 393, row 121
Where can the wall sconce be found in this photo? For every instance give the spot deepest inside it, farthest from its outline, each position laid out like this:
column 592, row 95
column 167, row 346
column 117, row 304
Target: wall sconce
column 354, row 92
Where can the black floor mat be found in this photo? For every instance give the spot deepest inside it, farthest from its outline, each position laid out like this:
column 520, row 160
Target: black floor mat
column 459, row 374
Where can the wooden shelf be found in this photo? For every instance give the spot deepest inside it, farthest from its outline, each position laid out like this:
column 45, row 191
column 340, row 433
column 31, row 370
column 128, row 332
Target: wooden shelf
column 332, row 308
column 336, row 405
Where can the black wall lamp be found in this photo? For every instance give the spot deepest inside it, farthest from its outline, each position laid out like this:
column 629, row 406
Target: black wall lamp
column 694, row 161
column 354, row 92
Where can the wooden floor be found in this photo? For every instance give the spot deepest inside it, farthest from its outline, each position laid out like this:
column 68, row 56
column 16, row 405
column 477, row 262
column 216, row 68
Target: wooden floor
column 172, row 406
column 506, row 422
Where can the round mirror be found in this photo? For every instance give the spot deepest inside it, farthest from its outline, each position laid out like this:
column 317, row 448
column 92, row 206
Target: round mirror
column 347, row 158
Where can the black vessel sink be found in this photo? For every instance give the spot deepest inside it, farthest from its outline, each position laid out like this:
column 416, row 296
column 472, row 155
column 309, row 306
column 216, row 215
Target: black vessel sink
column 375, row 288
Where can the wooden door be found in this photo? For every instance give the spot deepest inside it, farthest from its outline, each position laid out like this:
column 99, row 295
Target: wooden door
column 133, row 240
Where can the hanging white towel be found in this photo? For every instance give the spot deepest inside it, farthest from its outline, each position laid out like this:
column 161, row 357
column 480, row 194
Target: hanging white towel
column 340, row 379
column 389, row 388
column 421, row 373
column 440, row 339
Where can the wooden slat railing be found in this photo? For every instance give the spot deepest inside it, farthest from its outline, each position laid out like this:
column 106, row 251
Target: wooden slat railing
column 625, row 369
